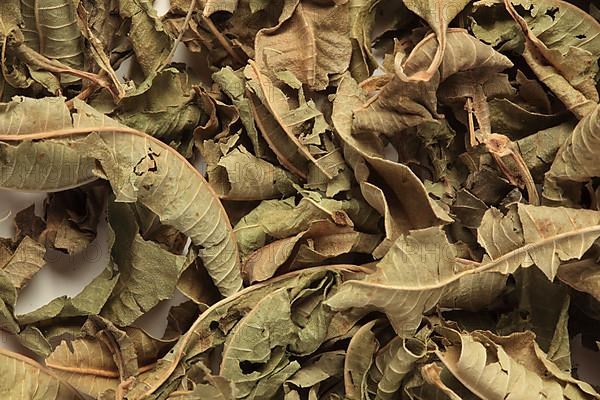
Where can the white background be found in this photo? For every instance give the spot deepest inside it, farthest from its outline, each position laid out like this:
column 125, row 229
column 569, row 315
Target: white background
column 67, row 275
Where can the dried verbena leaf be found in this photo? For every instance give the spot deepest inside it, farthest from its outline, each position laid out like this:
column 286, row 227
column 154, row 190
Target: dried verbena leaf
column 54, row 115
column 209, row 387
column 469, row 209
column 518, row 120
column 499, row 234
column 401, row 213
column 72, row 217
column 280, row 219
column 403, row 103
column 87, row 364
column 576, row 160
column 543, row 309
column 549, row 235
column 438, row 14
column 401, row 356
column 362, row 21
column 507, row 367
column 51, row 29
column 152, row 230
column 139, row 168
column 419, row 272
column 258, row 340
column 539, row 150
column 103, row 31
column 20, row 265
column 195, row 284
column 239, row 175
column 561, row 52
column 168, row 110
column 212, row 327
column 11, row 15
column 234, row 87
column 150, row 41
column 359, row 358
column 283, row 121
column 287, row 151
column 581, row 275
column 221, row 118
column 23, row 378
column 120, row 345
column 148, row 272
column 318, row 369
column 322, row 240
column 89, row 301
column 324, row 50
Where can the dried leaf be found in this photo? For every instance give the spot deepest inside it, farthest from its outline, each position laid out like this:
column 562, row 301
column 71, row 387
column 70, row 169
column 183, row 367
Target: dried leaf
column 139, row 168
column 438, row 15
column 403, row 103
column 575, row 160
column 51, row 29
column 324, row 51
column 34, row 381
column 496, row 367
column 322, row 240
column 557, row 52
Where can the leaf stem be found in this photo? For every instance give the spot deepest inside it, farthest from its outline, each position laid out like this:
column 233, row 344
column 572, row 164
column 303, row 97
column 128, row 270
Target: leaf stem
column 186, row 22
column 511, row 163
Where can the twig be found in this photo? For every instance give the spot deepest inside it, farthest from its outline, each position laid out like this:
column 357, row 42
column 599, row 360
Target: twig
column 188, row 17
column 469, row 108
column 222, row 39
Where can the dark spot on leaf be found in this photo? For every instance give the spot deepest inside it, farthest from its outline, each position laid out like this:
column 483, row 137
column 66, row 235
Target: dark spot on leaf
column 581, row 36
column 146, row 163
column 551, row 12
column 249, row 367
column 213, row 326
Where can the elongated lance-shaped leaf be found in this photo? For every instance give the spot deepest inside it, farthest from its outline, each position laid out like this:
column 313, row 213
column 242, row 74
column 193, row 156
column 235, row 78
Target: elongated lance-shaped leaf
column 403, row 103
column 212, row 326
column 550, row 235
column 563, row 54
column 139, row 168
column 87, row 364
column 577, row 158
column 259, row 338
column 512, row 367
column 438, row 14
column 404, row 354
column 50, row 27
column 276, row 102
column 27, row 165
column 324, row 51
column 359, row 358
column 25, row 379
column 421, row 270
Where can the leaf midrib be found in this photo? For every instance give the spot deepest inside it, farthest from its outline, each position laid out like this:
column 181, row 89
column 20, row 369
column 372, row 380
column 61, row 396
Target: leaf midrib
column 488, row 267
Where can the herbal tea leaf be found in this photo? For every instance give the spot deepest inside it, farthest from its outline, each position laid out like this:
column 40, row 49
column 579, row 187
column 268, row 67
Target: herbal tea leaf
column 323, row 51
column 33, row 380
column 141, row 168
column 438, row 14
column 343, row 195
column 506, row 367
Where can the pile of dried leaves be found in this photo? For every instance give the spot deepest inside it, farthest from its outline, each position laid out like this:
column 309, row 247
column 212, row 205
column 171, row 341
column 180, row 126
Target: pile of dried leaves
column 401, row 198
